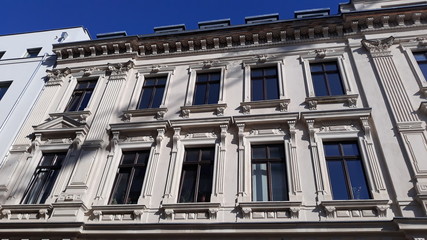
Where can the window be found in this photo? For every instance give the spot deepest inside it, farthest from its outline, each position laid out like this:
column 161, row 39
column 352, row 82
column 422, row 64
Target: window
column 4, row 86
column 197, row 174
column 269, row 173
column 2, row 54
column 264, row 83
column 43, row 179
column 421, row 58
column 130, row 176
column 207, row 88
column 326, row 79
column 346, row 171
column 33, row 52
column 81, row 96
column 152, row 92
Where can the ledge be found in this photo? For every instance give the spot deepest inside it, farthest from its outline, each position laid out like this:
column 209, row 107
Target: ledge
column 270, row 210
column 26, row 212
column 190, row 211
column 112, row 213
column 280, row 104
column 80, row 116
column 351, row 100
column 355, row 208
column 218, row 108
column 423, row 108
column 159, row 113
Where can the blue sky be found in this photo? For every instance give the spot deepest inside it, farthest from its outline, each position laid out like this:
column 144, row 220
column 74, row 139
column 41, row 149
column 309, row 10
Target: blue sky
column 140, row 16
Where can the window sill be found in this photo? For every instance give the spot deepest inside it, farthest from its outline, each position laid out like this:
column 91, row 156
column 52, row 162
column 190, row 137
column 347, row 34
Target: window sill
column 280, row 104
column 270, row 210
column 159, row 113
column 218, row 108
column 355, row 208
column 113, row 213
column 190, row 211
column 80, row 116
column 351, row 100
column 29, row 212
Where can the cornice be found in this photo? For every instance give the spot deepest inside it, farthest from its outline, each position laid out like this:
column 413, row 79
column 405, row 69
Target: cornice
column 239, row 37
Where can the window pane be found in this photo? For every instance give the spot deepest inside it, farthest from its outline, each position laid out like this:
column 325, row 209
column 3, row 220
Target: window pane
column 331, row 149
column 48, row 186
column 136, row 187
column 119, row 194
column 332, row 66
column 85, row 100
column 161, row 81
column 202, row 77
column 205, row 183
column 319, row 84
column 143, row 157
column 316, row 68
column 270, row 72
column 150, row 82
column 423, row 67
column 158, row 96
column 200, row 94
column 338, row 180
column 358, row 179
column 128, row 158
column 276, row 151
column 74, row 102
column 188, row 185
column 256, row 72
column 257, row 90
column 208, row 154
column 335, row 84
column 213, row 93
column 272, row 88
column 350, row 149
column 278, row 182
column 35, row 187
column 259, row 152
column 259, row 182
column 145, row 99
column 420, row 56
column 192, row 155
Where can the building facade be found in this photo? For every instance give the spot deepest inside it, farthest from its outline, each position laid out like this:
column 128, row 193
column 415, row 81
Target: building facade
column 24, row 59
column 309, row 128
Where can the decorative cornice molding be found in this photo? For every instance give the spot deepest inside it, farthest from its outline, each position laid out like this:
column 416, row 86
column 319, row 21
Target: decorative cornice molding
column 378, row 45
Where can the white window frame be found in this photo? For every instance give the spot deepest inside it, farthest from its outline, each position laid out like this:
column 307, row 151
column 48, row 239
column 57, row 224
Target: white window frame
column 350, row 95
column 344, row 126
column 409, row 49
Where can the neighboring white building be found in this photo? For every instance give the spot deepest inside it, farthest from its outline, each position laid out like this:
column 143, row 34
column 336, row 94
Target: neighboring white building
column 24, row 59
column 309, row 128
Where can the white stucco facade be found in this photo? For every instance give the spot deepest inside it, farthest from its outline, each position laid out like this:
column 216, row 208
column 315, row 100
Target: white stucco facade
column 25, row 75
column 376, row 118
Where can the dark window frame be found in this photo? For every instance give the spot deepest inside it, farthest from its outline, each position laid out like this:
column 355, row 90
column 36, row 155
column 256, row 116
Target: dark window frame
column 325, row 73
column 154, row 88
column 32, row 52
column 208, row 89
column 78, row 100
column 132, row 178
column 198, row 165
column 268, row 161
column 37, row 192
column 344, row 159
column 2, row 54
column 263, row 78
column 4, row 87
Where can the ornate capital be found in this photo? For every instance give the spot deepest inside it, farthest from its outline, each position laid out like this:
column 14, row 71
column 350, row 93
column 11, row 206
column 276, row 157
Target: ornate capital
column 55, row 76
column 378, row 46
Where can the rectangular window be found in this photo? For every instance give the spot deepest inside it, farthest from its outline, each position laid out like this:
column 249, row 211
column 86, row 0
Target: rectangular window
column 421, row 58
column 269, row 179
column 152, row 92
column 32, row 52
column 346, row 171
column 130, row 176
column 4, row 86
column 197, row 174
column 207, row 88
column 44, row 178
column 326, row 79
column 2, row 54
column 264, row 83
column 81, row 96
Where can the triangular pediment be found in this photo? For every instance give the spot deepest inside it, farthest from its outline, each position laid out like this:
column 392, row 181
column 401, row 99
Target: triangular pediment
column 62, row 122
